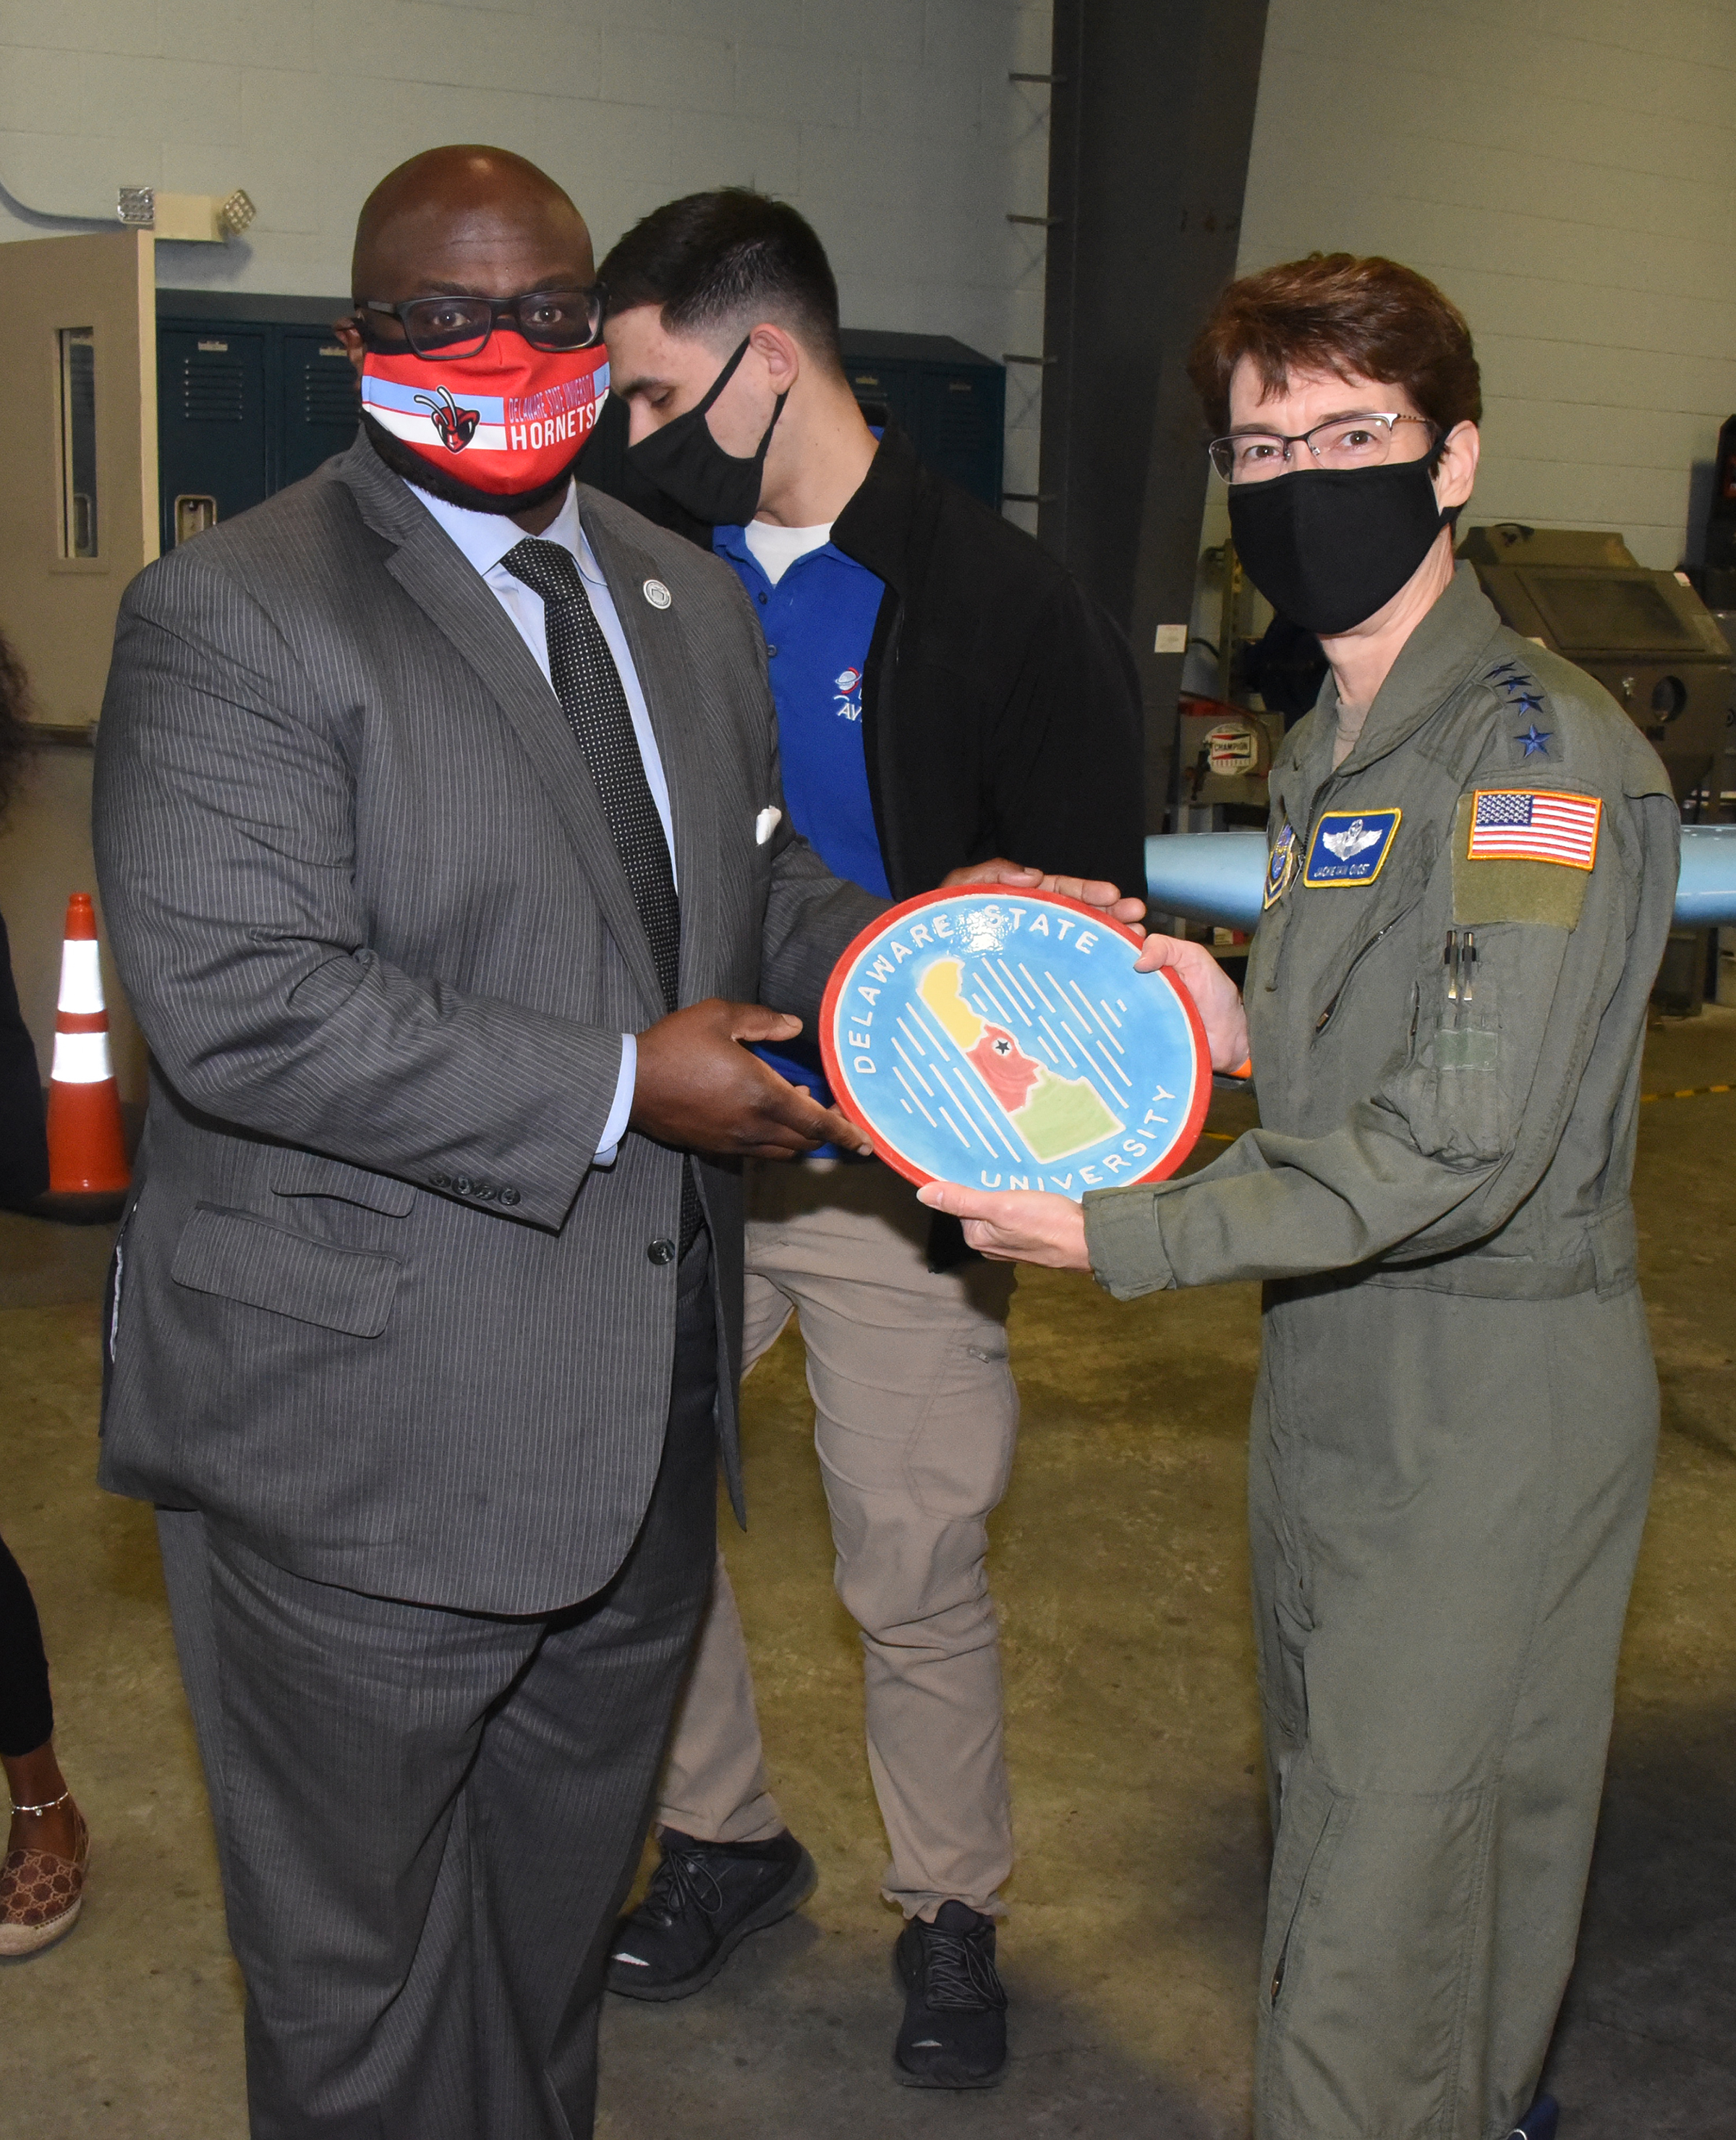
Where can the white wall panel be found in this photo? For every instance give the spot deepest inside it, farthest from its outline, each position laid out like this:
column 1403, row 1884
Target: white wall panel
column 890, row 123
column 1565, row 169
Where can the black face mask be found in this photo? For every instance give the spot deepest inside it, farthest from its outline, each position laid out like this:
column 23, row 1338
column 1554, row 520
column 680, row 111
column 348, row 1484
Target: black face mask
column 686, row 463
column 1329, row 547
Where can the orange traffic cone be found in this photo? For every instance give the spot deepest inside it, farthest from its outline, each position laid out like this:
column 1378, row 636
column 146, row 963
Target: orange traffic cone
column 86, row 1145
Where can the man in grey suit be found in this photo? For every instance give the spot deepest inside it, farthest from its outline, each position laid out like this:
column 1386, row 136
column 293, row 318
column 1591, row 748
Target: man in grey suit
column 444, row 857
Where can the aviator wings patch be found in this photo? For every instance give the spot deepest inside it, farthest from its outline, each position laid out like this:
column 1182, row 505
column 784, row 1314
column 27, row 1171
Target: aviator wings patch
column 1350, row 847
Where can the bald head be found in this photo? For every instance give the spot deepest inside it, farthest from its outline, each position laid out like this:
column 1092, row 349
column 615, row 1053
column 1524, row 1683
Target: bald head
column 469, row 221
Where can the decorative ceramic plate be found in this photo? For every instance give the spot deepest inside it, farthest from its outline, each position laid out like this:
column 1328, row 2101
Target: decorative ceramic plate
column 1001, row 1039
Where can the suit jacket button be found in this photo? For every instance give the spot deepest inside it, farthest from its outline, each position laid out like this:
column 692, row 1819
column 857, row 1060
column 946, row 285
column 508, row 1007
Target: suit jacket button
column 461, row 1184
column 661, row 1252
column 508, row 1196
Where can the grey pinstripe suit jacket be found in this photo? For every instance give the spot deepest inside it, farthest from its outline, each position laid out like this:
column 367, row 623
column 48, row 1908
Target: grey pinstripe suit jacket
column 376, row 1305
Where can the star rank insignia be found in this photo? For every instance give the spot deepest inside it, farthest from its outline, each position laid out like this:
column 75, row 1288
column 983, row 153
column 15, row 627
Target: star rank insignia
column 1524, row 697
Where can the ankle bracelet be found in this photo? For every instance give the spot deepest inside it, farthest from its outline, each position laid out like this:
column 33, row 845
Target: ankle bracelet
column 47, row 1806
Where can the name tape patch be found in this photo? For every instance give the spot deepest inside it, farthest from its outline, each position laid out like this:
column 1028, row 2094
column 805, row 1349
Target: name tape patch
column 1534, row 825
column 1350, row 847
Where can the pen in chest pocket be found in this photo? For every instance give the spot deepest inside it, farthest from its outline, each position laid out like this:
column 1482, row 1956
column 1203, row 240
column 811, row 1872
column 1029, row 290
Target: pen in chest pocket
column 1460, row 959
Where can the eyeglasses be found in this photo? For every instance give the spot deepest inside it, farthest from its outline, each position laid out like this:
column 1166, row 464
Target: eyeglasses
column 1341, row 442
column 463, row 326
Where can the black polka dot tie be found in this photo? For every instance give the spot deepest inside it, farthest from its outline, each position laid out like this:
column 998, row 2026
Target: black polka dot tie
column 588, row 685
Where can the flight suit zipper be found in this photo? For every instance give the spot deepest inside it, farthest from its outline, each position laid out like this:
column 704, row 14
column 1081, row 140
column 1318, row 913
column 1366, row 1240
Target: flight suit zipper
column 1327, row 1016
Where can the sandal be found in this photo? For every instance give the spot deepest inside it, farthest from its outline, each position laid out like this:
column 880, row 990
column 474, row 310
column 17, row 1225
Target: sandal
column 41, row 1895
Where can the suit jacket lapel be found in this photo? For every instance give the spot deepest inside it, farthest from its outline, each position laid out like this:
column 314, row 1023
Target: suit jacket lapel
column 459, row 605
column 664, row 661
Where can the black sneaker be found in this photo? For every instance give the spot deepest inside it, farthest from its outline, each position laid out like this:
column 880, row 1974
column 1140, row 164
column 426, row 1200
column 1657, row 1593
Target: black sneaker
column 954, row 2012
column 703, row 1901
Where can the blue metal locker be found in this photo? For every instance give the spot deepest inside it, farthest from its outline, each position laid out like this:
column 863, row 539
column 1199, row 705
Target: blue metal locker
column 318, row 402
column 252, row 392
column 213, row 426
column 951, row 399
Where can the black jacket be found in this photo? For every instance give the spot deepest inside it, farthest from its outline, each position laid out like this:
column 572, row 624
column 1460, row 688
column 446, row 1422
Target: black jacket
column 1000, row 710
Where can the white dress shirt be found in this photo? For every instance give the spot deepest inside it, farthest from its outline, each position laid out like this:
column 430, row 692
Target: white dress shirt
column 484, row 538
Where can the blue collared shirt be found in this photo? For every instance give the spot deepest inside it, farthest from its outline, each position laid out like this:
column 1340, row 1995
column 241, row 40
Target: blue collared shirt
column 818, row 620
column 484, row 539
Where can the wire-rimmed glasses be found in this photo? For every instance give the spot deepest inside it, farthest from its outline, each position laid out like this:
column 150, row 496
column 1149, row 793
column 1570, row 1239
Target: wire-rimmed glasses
column 1341, row 442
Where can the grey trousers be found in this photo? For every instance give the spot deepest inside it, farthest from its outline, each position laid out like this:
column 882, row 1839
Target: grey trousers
column 1446, row 1499
column 427, row 1820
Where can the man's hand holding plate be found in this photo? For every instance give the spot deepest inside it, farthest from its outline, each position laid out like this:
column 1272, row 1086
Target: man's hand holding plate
column 699, row 1089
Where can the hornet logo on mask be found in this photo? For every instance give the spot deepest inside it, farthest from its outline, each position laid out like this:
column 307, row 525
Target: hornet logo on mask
column 455, row 426
column 516, row 415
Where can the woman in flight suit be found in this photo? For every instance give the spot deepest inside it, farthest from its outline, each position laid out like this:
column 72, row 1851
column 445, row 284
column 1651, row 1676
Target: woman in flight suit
column 1471, row 866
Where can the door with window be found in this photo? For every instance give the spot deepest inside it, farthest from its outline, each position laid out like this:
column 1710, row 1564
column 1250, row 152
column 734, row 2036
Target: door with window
column 78, row 510
column 78, row 518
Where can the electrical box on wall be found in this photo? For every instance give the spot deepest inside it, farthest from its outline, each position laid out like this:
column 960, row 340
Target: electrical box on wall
column 252, row 392
column 951, row 399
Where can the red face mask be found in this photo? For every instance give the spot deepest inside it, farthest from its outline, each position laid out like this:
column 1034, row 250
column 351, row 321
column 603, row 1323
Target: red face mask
column 507, row 421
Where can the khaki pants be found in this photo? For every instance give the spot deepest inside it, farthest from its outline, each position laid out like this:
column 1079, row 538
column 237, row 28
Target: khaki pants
column 915, row 1415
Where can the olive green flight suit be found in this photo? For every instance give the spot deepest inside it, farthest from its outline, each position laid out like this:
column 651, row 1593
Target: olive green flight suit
column 1457, row 1412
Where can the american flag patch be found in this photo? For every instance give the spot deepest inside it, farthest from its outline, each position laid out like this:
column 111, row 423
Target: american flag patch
column 1534, row 825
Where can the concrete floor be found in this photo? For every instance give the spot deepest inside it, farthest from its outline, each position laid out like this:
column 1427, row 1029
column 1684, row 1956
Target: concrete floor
column 1119, row 1565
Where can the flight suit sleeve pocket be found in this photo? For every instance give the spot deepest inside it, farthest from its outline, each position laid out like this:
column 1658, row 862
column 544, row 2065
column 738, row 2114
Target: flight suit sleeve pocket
column 1451, row 1091
column 1461, row 1050
column 242, row 1259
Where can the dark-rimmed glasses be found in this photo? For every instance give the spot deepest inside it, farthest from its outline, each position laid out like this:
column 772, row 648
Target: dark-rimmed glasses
column 1341, row 442
column 463, row 326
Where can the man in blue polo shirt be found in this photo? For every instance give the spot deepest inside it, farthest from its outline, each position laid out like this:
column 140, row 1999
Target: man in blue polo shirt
column 945, row 695
column 817, row 609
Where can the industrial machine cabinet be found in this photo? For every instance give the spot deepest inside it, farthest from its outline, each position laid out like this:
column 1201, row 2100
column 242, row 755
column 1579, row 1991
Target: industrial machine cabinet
column 252, row 392
column 1646, row 636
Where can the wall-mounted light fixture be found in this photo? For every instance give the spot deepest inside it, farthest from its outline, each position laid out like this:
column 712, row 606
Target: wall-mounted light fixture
column 198, row 219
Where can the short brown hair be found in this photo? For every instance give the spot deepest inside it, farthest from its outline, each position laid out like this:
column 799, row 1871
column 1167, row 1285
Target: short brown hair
column 1369, row 319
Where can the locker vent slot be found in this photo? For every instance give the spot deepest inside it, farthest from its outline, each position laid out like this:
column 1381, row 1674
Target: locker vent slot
column 963, row 418
column 328, row 393
column 212, row 391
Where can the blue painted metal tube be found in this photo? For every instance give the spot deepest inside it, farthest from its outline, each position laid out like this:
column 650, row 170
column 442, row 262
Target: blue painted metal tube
column 1705, row 892
column 1207, row 876
column 1219, row 877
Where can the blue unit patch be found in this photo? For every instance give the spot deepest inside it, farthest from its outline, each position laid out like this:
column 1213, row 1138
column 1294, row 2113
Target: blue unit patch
column 1350, row 847
column 1279, row 866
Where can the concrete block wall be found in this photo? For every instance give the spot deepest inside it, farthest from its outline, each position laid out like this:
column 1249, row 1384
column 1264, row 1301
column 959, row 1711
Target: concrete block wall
column 1565, row 169
column 890, row 123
